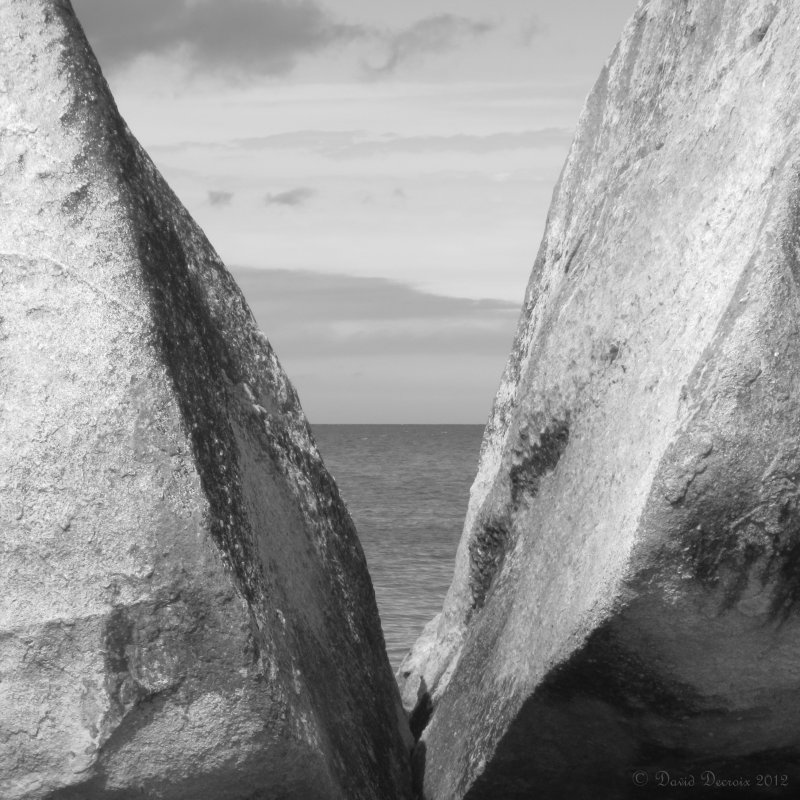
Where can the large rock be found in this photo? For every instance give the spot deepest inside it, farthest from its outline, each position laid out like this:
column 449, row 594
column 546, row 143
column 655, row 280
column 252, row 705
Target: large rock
column 626, row 590
column 185, row 607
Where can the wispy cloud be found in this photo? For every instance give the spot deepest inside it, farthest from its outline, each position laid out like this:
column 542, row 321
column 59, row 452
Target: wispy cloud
column 430, row 35
column 259, row 36
column 355, row 144
column 217, row 198
column 291, row 197
column 460, row 143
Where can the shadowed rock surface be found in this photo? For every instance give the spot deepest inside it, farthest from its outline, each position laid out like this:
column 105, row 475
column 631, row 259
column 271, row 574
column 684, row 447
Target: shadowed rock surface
column 626, row 590
column 185, row 607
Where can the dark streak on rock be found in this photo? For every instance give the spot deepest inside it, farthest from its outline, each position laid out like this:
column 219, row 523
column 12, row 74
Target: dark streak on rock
column 531, row 461
column 183, row 324
column 760, row 33
column 573, row 253
column 486, row 554
column 725, row 554
column 786, row 595
column 75, row 202
column 117, row 636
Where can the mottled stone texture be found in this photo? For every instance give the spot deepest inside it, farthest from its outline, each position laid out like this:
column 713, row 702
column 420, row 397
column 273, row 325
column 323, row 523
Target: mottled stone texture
column 185, row 608
column 626, row 590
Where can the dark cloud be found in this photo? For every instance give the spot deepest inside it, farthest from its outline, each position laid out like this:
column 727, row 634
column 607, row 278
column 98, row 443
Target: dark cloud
column 372, row 350
column 216, row 198
column 428, row 36
column 291, row 197
column 260, row 36
column 307, row 313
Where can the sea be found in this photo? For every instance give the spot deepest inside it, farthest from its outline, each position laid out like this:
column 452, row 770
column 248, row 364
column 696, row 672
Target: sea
column 406, row 487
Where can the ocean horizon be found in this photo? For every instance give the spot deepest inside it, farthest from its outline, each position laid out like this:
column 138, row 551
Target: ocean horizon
column 407, row 488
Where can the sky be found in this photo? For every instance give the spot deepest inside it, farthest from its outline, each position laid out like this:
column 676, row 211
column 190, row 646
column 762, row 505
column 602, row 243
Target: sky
column 375, row 174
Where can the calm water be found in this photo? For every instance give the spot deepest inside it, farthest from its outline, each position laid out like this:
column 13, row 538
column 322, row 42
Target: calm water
column 406, row 487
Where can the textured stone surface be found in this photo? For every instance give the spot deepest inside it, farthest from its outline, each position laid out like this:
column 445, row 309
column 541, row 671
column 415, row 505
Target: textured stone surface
column 626, row 589
column 186, row 610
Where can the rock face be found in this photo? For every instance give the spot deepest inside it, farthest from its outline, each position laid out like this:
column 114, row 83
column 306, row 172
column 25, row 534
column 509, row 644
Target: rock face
column 186, row 610
column 626, row 590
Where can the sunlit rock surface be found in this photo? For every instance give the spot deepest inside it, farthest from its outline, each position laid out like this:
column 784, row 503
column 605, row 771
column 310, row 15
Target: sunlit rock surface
column 185, row 608
column 626, row 590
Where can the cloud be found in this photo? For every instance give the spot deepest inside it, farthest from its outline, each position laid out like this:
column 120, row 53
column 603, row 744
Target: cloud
column 358, row 144
column 216, row 198
column 428, row 36
column 311, row 313
column 370, row 350
column 460, row 143
column 529, row 32
column 259, row 36
column 291, row 197
column 255, row 37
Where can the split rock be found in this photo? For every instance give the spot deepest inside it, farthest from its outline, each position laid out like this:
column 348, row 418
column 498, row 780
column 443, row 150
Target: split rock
column 186, row 610
column 626, row 589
